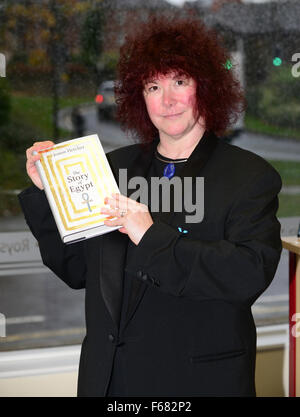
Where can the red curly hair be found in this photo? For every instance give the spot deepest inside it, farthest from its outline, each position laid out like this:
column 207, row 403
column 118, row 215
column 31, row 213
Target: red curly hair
column 184, row 46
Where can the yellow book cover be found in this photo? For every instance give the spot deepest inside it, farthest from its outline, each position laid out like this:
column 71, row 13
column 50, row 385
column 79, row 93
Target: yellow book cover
column 77, row 177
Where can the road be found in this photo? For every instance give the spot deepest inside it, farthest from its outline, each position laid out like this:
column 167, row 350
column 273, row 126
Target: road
column 112, row 137
column 282, row 149
column 42, row 311
column 109, row 133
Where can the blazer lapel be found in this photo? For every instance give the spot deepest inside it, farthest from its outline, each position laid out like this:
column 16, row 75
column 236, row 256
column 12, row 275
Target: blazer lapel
column 142, row 162
column 193, row 167
column 114, row 247
column 200, row 155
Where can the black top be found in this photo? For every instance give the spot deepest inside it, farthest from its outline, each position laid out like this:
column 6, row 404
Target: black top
column 183, row 337
column 117, row 385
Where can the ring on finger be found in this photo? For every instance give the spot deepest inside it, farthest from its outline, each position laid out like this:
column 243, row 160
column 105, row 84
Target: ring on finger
column 122, row 213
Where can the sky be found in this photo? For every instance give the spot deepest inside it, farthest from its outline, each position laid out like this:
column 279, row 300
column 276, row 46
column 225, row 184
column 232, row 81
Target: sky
column 207, row 2
column 181, row 2
column 177, row 2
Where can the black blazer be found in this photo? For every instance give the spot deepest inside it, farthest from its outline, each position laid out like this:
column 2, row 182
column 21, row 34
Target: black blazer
column 188, row 329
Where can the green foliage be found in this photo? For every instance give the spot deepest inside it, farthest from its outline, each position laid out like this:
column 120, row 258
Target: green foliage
column 91, row 36
column 288, row 170
column 12, row 170
column 253, row 96
column 16, row 137
column 279, row 99
column 5, row 105
column 108, row 64
column 289, row 205
column 259, row 125
column 30, row 121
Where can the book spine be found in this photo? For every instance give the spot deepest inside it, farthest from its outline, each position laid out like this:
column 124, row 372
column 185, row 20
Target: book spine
column 50, row 198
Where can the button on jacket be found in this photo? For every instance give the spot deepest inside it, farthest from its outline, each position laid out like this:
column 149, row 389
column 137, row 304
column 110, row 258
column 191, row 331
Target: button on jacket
column 187, row 329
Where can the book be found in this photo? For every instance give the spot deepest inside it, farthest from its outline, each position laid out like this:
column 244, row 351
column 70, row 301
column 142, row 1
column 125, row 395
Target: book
column 77, row 177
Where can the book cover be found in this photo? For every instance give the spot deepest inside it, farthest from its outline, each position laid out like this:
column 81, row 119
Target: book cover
column 77, row 177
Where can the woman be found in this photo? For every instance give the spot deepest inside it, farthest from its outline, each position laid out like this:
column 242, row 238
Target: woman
column 168, row 298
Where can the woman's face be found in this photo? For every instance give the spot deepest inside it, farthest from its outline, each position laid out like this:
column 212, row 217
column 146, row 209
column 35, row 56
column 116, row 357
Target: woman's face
column 171, row 102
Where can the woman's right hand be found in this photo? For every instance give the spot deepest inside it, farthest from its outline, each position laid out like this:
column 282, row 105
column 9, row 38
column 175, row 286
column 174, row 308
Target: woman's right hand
column 31, row 160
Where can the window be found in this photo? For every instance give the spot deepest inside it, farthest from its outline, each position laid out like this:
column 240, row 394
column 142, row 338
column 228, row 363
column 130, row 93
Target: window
column 55, row 60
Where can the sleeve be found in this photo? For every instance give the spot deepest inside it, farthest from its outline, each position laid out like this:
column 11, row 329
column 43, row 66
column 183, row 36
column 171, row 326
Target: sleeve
column 66, row 261
column 237, row 268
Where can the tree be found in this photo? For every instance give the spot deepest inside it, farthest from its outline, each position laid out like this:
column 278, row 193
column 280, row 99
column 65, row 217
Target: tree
column 92, row 39
column 47, row 32
column 5, row 104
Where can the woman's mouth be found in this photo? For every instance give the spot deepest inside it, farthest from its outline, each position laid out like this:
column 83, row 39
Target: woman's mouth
column 171, row 116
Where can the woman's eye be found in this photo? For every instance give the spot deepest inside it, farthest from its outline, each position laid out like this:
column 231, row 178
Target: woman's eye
column 180, row 82
column 152, row 88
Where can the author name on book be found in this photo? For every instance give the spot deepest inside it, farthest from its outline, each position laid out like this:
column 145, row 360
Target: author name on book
column 69, row 150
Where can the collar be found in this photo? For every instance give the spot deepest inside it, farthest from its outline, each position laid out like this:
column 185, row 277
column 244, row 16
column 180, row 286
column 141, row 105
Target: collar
column 193, row 166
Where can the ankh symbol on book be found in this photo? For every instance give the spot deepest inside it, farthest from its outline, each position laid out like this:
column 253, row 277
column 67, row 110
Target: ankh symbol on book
column 86, row 198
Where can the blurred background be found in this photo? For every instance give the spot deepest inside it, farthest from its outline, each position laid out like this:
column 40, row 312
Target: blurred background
column 57, row 71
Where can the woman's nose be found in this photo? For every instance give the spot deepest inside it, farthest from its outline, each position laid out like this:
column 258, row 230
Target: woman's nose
column 168, row 98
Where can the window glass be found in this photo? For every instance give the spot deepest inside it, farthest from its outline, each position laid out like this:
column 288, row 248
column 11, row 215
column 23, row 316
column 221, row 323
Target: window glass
column 57, row 69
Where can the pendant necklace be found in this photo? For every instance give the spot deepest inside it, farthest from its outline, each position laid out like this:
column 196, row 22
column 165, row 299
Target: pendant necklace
column 169, row 169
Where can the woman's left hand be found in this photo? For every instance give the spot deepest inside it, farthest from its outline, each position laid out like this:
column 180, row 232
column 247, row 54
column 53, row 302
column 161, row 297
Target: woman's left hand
column 134, row 217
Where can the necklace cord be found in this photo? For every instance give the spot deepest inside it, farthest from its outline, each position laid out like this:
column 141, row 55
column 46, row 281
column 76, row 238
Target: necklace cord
column 170, row 161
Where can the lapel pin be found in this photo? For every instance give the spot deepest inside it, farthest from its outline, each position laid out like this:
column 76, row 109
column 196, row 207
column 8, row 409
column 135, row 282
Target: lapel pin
column 182, row 230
